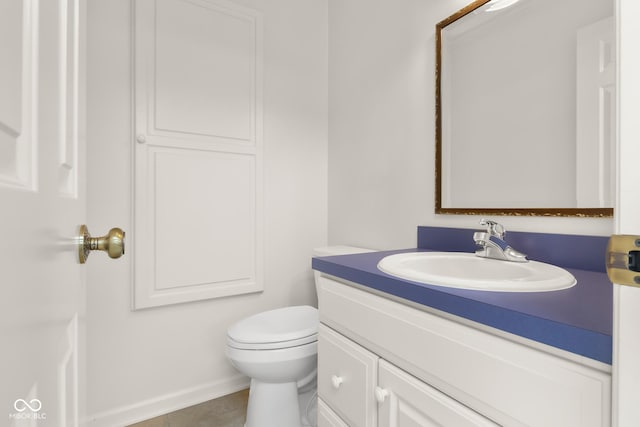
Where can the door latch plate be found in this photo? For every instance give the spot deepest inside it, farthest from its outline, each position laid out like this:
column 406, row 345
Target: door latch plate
column 623, row 260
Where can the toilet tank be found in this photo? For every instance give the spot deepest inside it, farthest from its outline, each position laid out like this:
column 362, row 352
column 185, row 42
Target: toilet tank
column 336, row 250
column 339, row 250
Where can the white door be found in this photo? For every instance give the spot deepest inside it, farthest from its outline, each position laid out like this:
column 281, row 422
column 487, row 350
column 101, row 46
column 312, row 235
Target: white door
column 42, row 203
column 626, row 368
column 595, row 114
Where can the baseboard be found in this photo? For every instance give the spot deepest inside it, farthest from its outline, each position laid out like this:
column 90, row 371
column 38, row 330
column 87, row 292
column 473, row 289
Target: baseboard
column 164, row 404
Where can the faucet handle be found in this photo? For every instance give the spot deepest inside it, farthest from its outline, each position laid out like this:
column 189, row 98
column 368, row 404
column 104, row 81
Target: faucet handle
column 493, row 228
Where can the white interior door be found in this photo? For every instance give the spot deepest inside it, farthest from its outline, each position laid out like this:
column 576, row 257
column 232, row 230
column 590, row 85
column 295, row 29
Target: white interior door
column 42, row 204
column 595, row 114
column 626, row 369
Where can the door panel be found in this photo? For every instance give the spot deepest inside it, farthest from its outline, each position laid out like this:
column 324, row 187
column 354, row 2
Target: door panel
column 42, row 204
column 198, row 155
column 214, row 83
column 19, row 89
column 223, row 212
column 596, row 114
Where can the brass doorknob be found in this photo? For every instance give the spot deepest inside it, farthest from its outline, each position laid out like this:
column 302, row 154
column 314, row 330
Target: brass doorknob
column 112, row 243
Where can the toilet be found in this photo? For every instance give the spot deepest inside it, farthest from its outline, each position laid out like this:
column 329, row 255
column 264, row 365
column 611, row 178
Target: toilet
column 278, row 350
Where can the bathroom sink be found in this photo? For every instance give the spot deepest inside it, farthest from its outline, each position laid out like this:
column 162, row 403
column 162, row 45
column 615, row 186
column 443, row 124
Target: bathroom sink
column 468, row 271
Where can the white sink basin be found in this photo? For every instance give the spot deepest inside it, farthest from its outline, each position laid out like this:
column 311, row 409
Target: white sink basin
column 468, row 271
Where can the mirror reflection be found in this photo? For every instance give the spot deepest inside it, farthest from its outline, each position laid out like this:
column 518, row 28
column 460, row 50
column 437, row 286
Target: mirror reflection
column 526, row 108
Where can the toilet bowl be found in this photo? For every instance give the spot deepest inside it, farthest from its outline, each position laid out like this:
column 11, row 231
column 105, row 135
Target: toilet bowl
column 278, row 350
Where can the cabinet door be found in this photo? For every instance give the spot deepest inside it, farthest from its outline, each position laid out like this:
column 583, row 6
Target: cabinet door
column 347, row 377
column 198, row 151
column 405, row 401
column 328, row 418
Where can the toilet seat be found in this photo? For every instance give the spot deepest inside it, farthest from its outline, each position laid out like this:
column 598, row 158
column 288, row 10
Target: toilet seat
column 275, row 329
column 281, row 345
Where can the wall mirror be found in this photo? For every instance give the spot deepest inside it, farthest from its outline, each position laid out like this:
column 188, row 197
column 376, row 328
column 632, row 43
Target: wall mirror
column 525, row 108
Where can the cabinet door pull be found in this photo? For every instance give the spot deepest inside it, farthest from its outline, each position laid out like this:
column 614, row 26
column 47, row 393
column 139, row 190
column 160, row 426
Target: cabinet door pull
column 381, row 394
column 336, row 381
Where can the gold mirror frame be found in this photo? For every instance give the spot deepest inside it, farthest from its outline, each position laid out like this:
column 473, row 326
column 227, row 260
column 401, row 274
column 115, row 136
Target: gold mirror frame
column 550, row 212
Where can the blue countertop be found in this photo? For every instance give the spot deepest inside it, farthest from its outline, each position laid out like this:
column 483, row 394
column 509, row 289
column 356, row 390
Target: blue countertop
column 578, row 319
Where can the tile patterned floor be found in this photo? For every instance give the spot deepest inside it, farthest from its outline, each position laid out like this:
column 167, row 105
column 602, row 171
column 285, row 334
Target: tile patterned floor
column 227, row 411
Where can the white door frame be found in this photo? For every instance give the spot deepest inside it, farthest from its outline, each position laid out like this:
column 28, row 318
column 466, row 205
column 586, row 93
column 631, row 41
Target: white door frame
column 626, row 300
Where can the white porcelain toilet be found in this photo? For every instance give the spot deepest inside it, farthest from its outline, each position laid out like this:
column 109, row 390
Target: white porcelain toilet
column 278, row 350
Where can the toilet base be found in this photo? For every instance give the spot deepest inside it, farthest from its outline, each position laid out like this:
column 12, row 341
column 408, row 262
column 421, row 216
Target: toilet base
column 308, row 404
column 273, row 405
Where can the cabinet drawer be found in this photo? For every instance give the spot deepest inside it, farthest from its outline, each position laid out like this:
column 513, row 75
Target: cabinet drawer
column 409, row 401
column 347, row 377
column 328, row 418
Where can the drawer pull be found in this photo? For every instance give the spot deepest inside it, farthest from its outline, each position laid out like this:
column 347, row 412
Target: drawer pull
column 336, row 381
column 381, row 394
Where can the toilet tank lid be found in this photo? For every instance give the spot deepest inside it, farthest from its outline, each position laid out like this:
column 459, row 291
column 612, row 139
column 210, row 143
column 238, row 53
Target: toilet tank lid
column 279, row 325
column 339, row 250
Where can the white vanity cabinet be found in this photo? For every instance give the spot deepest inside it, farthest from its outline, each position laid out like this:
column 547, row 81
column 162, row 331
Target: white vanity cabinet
column 384, row 363
column 358, row 389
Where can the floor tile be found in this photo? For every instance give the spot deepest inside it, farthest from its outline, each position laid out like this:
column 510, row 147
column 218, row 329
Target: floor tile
column 226, row 411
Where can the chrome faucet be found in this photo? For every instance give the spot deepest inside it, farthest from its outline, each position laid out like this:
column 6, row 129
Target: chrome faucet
column 491, row 243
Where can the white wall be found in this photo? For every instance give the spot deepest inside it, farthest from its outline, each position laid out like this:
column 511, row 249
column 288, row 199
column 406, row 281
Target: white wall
column 381, row 127
column 145, row 363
